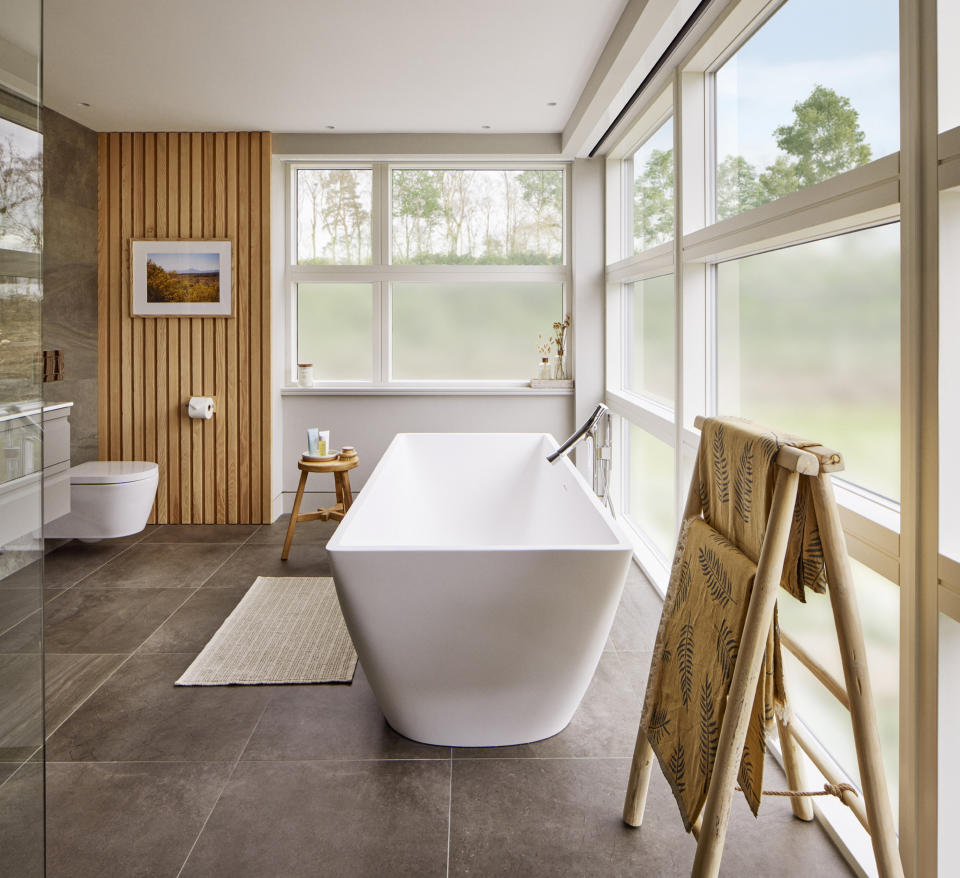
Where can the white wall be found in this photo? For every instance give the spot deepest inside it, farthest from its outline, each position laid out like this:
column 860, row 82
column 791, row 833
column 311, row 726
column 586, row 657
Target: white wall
column 370, row 422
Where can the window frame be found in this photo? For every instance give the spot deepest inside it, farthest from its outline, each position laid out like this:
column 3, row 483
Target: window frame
column 862, row 198
column 382, row 274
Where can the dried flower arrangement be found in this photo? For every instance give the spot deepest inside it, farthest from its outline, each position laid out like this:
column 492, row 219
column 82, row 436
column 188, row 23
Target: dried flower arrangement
column 560, row 338
column 544, row 347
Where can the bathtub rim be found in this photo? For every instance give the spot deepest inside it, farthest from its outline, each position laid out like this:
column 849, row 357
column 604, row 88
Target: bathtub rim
column 618, row 542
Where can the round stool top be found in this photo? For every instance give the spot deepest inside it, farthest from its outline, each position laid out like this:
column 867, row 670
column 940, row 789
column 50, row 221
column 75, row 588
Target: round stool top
column 327, row 466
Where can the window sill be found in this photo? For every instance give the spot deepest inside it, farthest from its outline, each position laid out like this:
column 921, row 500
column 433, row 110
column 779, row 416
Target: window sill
column 426, row 390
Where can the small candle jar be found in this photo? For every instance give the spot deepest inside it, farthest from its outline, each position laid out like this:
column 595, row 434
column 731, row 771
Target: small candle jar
column 305, row 374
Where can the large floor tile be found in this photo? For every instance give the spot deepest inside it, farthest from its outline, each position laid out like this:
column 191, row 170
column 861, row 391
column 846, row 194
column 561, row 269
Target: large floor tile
column 139, row 715
column 307, row 533
column 251, row 561
column 605, row 723
column 161, row 565
column 190, row 628
column 200, row 533
column 638, row 617
column 328, row 820
column 331, row 722
column 69, row 679
column 16, row 604
column 68, row 564
column 127, row 820
column 21, row 823
column 98, row 620
column 21, row 708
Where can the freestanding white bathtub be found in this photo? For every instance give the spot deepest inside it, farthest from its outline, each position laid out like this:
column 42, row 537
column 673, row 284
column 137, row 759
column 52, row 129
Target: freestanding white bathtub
column 479, row 584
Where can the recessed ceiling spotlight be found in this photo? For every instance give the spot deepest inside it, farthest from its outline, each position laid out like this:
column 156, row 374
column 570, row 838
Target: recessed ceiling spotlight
column 83, row 104
column 485, row 127
column 551, row 103
column 331, row 127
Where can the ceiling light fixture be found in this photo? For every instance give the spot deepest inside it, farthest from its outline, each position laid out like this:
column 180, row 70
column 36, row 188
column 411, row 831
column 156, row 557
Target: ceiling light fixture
column 485, row 127
column 551, row 103
column 331, row 127
column 82, row 104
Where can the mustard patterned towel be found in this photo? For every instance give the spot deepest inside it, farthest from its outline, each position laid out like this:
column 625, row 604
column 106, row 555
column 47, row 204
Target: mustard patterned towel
column 736, row 472
column 694, row 657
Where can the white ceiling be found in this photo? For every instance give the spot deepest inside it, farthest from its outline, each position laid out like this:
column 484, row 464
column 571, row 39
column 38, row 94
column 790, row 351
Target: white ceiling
column 303, row 65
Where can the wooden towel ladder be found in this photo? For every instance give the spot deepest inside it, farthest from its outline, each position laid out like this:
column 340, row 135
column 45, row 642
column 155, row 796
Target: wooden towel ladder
column 873, row 811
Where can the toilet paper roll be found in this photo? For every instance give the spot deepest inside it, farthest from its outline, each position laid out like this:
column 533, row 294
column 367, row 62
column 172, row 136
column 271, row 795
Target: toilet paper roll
column 200, row 407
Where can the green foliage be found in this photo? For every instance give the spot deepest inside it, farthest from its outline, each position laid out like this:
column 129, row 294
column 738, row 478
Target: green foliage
column 653, row 195
column 825, row 138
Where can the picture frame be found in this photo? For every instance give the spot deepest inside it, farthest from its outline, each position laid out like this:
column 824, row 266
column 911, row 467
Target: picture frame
column 181, row 278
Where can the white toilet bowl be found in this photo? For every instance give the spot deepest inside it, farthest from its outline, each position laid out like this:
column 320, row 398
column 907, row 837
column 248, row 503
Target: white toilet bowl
column 108, row 498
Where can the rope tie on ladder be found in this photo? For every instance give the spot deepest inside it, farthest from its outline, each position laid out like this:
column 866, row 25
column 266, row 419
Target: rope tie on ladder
column 829, row 789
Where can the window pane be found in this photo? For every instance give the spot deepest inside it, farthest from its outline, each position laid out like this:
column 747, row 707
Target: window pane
column 949, row 409
column 815, row 92
column 808, row 341
column 471, row 331
column 650, row 344
column 21, row 187
column 335, row 330
column 812, row 626
column 653, row 190
column 333, row 216
column 477, row 217
column 948, row 61
column 650, row 503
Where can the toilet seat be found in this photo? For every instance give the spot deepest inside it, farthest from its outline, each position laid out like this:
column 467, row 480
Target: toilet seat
column 111, row 472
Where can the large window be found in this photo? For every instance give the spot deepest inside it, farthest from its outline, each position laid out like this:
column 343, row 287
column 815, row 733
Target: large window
column 770, row 290
column 808, row 340
column 812, row 94
column 414, row 273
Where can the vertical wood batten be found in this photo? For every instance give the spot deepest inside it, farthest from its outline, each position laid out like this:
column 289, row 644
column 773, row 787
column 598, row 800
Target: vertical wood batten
column 192, row 185
column 241, row 310
column 256, row 352
column 103, row 294
column 115, row 315
column 163, row 492
column 231, row 413
column 150, row 326
column 220, row 333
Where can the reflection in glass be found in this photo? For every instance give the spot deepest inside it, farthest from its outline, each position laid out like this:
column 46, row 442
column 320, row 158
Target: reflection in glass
column 333, row 216
column 471, row 331
column 650, row 498
column 21, row 449
column 814, row 93
column 808, row 341
column 477, row 217
column 334, row 330
column 650, row 344
column 653, row 190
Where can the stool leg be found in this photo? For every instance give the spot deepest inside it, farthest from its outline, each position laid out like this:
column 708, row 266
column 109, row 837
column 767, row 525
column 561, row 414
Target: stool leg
column 293, row 516
column 345, row 491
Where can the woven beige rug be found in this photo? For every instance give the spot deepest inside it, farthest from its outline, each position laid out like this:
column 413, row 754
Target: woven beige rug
column 284, row 630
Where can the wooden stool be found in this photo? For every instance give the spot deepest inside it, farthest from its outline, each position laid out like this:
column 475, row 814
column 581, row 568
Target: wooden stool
column 341, row 480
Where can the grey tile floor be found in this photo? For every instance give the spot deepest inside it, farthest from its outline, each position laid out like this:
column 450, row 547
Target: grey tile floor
column 144, row 779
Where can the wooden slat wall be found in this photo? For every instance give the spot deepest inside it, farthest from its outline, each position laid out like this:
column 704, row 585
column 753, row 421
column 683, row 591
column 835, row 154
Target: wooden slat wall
column 188, row 185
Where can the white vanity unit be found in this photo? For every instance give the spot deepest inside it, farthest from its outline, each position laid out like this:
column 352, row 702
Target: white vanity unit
column 35, row 445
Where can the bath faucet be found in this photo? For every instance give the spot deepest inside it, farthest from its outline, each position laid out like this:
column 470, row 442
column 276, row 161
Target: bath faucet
column 597, row 428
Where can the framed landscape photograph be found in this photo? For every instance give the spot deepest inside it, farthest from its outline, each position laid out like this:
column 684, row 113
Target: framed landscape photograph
column 181, row 278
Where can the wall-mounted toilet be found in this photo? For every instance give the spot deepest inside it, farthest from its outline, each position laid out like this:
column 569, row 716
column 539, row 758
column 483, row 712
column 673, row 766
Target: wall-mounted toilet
column 108, row 498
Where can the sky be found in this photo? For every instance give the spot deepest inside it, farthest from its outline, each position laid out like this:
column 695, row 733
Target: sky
column 185, row 261
column 850, row 46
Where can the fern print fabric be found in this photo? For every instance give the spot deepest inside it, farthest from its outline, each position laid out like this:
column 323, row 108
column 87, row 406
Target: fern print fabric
column 735, row 466
column 694, row 658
